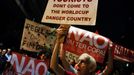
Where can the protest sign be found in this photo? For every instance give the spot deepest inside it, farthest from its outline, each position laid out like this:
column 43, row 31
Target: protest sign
column 72, row 12
column 122, row 53
column 79, row 41
column 24, row 65
column 37, row 37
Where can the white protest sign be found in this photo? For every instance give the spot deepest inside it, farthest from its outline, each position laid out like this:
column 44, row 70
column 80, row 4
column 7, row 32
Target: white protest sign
column 74, row 12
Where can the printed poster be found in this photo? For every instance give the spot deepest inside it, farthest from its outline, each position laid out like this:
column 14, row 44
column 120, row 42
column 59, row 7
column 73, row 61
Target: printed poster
column 80, row 41
column 122, row 53
column 24, row 65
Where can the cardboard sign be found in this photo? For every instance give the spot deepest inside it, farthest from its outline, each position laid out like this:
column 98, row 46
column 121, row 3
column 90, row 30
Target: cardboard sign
column 37, row 37
column 72, row 12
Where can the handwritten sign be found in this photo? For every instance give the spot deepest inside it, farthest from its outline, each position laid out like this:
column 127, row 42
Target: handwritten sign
column 74, row 12
column 37, row 37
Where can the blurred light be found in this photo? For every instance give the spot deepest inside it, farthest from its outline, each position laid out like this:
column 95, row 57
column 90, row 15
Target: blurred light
column 127, row 64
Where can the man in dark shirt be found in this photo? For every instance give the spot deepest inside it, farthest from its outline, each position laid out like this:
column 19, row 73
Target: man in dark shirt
column 3, row 61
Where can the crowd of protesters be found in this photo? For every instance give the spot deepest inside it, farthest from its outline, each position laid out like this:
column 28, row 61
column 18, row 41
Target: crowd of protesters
column 57, row 64
column 86, row 64
column 118, row 67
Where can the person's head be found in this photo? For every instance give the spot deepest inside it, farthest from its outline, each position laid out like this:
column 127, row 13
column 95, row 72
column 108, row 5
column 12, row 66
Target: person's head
column 4, row 51
column 9, row 51
column 86, row 64
column 0, row 50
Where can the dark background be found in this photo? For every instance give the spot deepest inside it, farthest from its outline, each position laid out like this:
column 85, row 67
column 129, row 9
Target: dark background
column 115, row 20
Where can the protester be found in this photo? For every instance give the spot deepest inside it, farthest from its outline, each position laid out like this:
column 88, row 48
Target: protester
column 3, row 61
column 0, row 51
column 86, row 64
column 8, row 56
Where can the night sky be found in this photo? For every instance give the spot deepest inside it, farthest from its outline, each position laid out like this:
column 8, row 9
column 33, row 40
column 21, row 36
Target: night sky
column 115, row 20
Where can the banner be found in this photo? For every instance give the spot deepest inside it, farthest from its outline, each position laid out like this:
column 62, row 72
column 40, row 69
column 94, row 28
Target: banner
column 24, row 65
column 79, row 41
column 37, row 37
column 72, row 12
column 122, row 53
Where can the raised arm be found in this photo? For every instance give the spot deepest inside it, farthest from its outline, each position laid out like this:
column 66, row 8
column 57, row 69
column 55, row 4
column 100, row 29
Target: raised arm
column 54, row 61
column 65, row 63
column 57, row 68
column 109, row 66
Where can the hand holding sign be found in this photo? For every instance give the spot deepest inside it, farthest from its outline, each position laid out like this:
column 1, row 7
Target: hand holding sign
column 62, row 32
